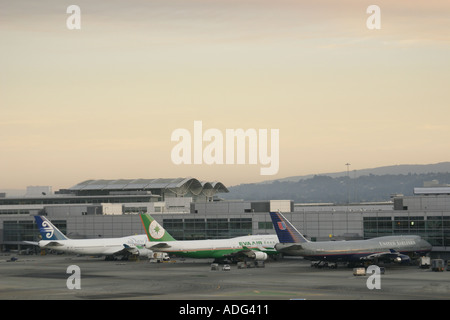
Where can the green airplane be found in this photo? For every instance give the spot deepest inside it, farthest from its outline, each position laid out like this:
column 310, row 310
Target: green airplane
column 256, row 247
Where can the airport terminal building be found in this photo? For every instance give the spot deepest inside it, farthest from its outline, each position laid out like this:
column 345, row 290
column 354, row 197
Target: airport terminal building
column 191, row 209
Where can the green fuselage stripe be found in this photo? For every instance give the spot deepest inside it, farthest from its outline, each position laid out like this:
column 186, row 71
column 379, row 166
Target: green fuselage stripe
column 212, row 253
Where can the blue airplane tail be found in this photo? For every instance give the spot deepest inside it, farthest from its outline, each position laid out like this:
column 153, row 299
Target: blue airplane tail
column 47, row 230
column 286, row 232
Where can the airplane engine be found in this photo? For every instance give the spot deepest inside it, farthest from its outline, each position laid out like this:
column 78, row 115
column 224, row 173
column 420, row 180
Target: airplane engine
column 402, row 259
column 258, row 255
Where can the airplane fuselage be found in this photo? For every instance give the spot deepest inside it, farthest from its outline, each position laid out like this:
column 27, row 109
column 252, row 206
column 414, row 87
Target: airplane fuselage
column 218, row 248
column 103, row 246
column 354, row 250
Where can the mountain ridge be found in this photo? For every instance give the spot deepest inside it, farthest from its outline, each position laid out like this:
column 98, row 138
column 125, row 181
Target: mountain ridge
column 392, row 169
column 377, row 184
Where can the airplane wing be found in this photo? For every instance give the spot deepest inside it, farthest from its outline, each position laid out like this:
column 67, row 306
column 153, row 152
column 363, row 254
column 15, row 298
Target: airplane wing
column 32, row 242
column 53, row 244
column 138, row 250
column 249, row 253
column 391, row 255
column 244, row 252
column 159, row 246
column 286, row 247
column 129, row 249
column 118, row 251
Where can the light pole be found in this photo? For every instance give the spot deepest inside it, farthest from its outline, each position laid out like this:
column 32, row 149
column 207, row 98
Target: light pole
column 348, row 190
column 348, row 182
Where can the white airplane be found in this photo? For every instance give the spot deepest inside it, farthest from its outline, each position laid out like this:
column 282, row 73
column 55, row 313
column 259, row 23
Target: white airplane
column 256, row 247
column 54, row 239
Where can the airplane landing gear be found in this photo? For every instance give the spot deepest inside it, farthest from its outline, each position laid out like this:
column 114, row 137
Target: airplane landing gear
column 324, row 264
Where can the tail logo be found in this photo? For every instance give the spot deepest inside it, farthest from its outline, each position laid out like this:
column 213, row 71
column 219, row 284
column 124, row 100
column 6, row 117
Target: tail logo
column 46, row 227
column 281, row 225
column 155, row 230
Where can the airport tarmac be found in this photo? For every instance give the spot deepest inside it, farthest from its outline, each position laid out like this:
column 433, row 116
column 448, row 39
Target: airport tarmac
column 45, row 277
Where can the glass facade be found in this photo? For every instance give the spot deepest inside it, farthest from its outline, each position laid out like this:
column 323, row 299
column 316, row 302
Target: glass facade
column 321, row 226
column 198, row 229
column 217, row 228
column 265, row 225
column 434, row 229
column 17, row 231
column 49, row 200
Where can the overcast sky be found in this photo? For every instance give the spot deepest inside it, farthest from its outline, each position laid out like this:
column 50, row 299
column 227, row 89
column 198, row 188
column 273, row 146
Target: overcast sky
column 102, row 102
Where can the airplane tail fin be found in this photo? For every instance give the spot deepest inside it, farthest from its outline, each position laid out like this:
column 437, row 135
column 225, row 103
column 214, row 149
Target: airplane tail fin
column 286, row 232
column 47, row 230
column 154, row 231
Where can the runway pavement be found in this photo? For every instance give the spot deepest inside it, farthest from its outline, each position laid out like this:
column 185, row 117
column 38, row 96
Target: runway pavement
column 47, row 277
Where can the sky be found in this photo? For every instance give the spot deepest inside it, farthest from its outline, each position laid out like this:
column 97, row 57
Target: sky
column 103, row 101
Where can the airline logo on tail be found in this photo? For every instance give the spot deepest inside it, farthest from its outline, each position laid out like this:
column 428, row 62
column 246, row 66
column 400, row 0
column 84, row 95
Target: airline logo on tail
column 286, row 232
column 155, row 230
column 47, row 228
column 281, row 225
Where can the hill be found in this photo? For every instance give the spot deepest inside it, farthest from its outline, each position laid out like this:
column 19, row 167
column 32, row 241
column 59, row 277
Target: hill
column 362, row 186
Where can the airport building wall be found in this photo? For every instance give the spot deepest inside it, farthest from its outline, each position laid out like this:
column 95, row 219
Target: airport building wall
column 317, row 226
column 117, row 215
column 424, row 203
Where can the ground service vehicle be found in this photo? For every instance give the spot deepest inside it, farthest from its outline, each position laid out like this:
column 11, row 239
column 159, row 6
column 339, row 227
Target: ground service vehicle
column 437, row 265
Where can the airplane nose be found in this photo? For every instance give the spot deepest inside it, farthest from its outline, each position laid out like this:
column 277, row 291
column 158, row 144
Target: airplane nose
column 427, row 245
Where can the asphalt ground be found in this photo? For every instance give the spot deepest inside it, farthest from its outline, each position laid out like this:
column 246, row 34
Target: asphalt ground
column 48, row 278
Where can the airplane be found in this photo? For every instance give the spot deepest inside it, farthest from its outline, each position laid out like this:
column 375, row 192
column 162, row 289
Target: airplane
column 255, row 247
column 388, row 248
column 54, row 239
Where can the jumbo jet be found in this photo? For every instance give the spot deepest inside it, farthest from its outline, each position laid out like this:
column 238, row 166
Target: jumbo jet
column 54, row 239
column 256, row 247
column 390, row 248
